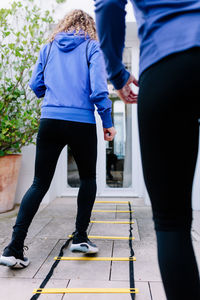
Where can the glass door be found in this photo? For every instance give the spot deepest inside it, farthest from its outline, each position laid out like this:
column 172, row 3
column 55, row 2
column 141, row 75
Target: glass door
column 118, row 166
column 118, row 152
column 114, row 160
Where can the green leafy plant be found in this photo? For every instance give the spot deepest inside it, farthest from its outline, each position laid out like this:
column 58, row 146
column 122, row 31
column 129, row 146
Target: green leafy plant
column 23, row 29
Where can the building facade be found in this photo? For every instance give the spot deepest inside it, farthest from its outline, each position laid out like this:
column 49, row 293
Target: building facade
column 119, row 171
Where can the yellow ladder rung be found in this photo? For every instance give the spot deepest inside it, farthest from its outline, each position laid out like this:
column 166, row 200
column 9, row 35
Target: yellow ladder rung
column 86, row 291
column 112, row 211
column 83, row 258
column 123, row 202
column 112, row 222
column 107, row 237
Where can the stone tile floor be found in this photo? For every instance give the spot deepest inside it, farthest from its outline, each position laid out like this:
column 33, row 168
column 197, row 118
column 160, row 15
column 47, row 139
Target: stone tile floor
column 50, row 229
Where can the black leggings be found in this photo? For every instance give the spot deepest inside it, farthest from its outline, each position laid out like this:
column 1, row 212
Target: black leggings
column 168, row 113
column 52, row 137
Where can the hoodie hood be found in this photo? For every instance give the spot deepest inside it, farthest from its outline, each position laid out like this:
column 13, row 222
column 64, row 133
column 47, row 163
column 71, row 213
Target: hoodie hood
column 67, row 41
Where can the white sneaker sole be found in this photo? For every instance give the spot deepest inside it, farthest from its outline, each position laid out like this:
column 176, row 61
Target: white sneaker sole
column 83, row 248
column 12, row 262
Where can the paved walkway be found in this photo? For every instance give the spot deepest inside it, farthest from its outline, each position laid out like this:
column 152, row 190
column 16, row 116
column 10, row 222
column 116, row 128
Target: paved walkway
column 47, row 234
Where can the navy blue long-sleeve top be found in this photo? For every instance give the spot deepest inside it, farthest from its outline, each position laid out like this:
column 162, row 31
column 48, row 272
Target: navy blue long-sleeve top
column 164, row 27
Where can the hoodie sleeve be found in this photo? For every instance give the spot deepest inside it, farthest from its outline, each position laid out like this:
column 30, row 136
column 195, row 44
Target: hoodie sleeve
column 110, row 21
column 36, row 82
column 98, row 84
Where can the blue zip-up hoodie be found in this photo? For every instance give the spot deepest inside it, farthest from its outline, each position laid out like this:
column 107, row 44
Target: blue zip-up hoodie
column 69, row 86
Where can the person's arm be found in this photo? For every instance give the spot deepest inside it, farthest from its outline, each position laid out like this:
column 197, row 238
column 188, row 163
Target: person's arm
column 99, row 89
column 36, row 82
column 98, row 84
column 110, row 21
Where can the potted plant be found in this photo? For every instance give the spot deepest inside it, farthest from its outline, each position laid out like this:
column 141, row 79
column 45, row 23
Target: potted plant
column 23, row 29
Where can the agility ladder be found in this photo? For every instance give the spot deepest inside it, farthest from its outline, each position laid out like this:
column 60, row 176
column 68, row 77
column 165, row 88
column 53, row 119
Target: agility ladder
column 132, row 290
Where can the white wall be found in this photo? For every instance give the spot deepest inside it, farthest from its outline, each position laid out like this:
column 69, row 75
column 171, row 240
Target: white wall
column 26, row 176
column 132, row 41
column 86, row 5
column 26, row 172
column 196, row 185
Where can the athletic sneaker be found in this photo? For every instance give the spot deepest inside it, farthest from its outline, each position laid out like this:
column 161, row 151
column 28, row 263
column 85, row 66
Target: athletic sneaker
column 81, row 243
column 13, row 258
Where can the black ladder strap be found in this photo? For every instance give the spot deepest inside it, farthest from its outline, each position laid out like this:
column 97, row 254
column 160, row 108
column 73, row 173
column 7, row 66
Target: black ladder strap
column 49, row 275
column 131, row 265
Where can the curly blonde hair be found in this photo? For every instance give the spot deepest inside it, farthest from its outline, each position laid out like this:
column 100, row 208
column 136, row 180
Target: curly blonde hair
column 77, row 20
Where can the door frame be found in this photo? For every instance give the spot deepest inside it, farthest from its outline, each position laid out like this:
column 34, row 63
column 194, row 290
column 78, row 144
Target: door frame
column 102, row 189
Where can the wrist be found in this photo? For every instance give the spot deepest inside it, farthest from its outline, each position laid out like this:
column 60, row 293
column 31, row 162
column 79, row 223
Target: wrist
column 120, row 79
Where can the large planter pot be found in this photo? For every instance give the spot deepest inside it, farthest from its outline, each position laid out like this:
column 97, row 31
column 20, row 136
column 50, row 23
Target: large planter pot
column 9, row 170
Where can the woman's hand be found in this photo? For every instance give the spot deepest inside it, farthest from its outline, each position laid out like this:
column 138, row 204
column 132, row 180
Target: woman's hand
column 109, row 133
column 126, row 93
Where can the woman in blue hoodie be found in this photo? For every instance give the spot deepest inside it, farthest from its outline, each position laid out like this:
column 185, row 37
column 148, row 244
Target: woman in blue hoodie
column 70, row 75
